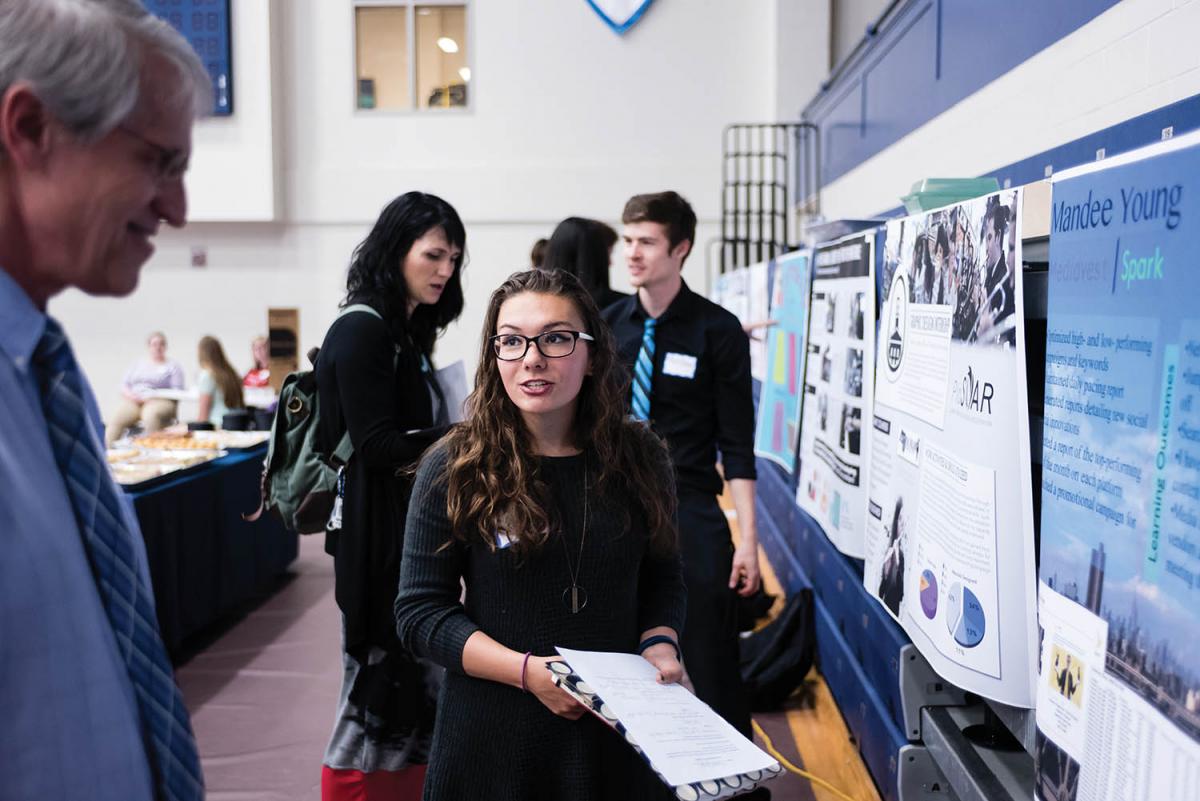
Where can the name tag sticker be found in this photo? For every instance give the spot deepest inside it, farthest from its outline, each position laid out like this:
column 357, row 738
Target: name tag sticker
column 680, row 365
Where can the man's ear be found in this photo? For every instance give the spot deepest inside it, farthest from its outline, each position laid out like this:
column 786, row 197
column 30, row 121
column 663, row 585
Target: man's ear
column 25, row 127
column 681, row 250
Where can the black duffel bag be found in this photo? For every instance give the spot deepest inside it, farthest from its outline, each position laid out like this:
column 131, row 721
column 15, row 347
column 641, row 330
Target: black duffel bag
column 775, row 659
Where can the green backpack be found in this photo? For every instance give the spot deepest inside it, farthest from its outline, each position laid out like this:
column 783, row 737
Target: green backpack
column 299, row 482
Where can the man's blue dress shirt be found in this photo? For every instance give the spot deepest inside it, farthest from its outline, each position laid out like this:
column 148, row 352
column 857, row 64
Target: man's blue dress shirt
column 69, row 726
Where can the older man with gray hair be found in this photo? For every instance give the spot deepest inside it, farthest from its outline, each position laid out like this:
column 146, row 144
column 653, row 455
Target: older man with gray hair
column 97, row 102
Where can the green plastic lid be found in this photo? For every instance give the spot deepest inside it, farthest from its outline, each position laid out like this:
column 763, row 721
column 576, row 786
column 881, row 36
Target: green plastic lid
column 932, row 193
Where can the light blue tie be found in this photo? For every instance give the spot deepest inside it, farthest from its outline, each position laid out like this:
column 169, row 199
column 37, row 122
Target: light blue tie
column 110, row 548
column 643, row 372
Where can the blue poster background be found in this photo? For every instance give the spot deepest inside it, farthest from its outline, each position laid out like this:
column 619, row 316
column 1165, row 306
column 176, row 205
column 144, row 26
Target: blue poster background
column 1120, row 530
column 777, row 427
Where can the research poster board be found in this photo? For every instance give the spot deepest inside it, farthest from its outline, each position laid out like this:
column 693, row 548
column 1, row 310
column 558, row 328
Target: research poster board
column 838, row 390
column 758, row 297
column 949, row 517
column 777, row 423
column 733, row 289
column 1118, row 706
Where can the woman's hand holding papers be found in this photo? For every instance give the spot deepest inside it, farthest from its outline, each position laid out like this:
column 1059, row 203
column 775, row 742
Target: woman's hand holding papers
column 662, row 656
column 540, row 682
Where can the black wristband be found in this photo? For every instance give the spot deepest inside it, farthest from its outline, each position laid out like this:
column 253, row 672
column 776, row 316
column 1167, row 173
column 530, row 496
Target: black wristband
column 657, row 639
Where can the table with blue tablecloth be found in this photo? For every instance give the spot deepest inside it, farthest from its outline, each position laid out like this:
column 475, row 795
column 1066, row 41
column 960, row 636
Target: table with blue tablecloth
column 206, row 562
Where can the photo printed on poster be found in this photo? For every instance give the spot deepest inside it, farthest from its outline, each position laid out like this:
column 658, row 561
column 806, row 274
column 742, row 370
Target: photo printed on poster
column 949, row 513
column 1120, row 533
column 777, row 423
column 838, row 390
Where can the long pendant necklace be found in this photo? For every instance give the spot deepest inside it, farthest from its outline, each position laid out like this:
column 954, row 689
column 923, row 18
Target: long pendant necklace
column 575, row 597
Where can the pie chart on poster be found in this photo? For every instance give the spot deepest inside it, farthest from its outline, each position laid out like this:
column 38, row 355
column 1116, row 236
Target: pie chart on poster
column 929, row 594
column 964, row 616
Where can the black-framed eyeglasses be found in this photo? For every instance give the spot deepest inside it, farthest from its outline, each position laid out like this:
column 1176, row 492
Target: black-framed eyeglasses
column 551, row 344
column 170, row 163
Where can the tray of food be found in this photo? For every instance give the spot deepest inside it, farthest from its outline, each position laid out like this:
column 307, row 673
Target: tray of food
column 148, row 458
column 232, row 440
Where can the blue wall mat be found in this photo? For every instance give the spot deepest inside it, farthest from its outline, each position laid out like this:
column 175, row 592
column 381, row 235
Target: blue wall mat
column 931, row 54
column 879, row 740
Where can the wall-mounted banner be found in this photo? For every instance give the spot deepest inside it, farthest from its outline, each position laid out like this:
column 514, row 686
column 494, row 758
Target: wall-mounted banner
column 838, row 389
column 778, row 421
column 949, row 514
column 621, row 15
column 1118, row 706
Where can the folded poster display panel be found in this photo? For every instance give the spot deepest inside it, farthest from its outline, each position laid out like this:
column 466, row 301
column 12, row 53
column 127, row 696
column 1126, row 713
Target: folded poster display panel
column 838, row 389
column 778, row 420
column 757, row 311
column 733, row 293
column 949, row 517
column 1118, row 704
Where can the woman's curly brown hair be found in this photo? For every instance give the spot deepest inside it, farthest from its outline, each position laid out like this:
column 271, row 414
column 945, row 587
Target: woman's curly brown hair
column 491, row 467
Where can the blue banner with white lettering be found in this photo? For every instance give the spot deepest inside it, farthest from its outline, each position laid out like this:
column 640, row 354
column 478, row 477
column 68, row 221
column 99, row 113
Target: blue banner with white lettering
column 1120, row 532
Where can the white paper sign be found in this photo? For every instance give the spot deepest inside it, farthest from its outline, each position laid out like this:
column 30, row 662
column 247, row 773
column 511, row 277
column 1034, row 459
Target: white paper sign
column 681, row 735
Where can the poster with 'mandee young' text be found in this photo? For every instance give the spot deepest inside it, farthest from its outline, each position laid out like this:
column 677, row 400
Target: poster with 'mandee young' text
column 949, row 517
column 838, row 389
column 1118, row 706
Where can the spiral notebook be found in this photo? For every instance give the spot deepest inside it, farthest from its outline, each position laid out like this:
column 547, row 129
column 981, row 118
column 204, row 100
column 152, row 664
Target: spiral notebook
column 689, row 778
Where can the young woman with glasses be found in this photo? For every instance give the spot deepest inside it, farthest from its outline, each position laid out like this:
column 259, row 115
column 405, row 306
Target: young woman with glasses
column 556, row 511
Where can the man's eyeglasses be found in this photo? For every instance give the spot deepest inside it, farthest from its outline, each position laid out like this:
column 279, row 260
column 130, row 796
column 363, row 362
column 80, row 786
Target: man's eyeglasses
column 551, row 344
column 170, row 163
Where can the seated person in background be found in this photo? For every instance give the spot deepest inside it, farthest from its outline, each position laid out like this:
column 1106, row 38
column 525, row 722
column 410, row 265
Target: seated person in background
column 260, row 374
column 219, row 386
column 155, row 371
column 583, row 248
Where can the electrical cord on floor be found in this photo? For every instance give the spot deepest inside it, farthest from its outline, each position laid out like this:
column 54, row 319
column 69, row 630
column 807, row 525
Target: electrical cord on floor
column 804, row 773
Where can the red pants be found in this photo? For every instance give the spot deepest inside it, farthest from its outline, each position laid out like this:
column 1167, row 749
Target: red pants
column 381, row 785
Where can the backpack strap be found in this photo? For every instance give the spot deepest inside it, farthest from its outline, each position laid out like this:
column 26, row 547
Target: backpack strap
column 345, row 449
column 360, row 307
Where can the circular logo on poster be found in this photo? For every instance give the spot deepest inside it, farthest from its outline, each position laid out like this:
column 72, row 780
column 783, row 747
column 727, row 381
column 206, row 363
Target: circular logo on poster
column 897, row 325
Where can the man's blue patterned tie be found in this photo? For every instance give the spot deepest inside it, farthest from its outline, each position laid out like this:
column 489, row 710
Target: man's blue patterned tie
column 110, row 548
column 643, row 372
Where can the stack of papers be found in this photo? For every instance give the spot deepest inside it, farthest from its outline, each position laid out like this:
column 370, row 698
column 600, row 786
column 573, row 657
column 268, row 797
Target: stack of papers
column 692, row 749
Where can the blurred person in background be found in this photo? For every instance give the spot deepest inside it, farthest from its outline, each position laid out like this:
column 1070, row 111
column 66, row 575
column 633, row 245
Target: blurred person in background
column 537, row 254
column 583, row 248
column 219, row 386
column 259, row 375
column 138, row 406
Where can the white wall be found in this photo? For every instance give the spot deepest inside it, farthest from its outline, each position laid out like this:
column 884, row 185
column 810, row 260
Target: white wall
column 566, row 118
column 1137, row 56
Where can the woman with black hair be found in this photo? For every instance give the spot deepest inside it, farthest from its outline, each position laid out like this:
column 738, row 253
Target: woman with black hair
column 583, row 248
column 375, row 381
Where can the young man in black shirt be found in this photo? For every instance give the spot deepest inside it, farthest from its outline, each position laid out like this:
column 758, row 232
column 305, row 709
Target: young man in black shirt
column 690, row 364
